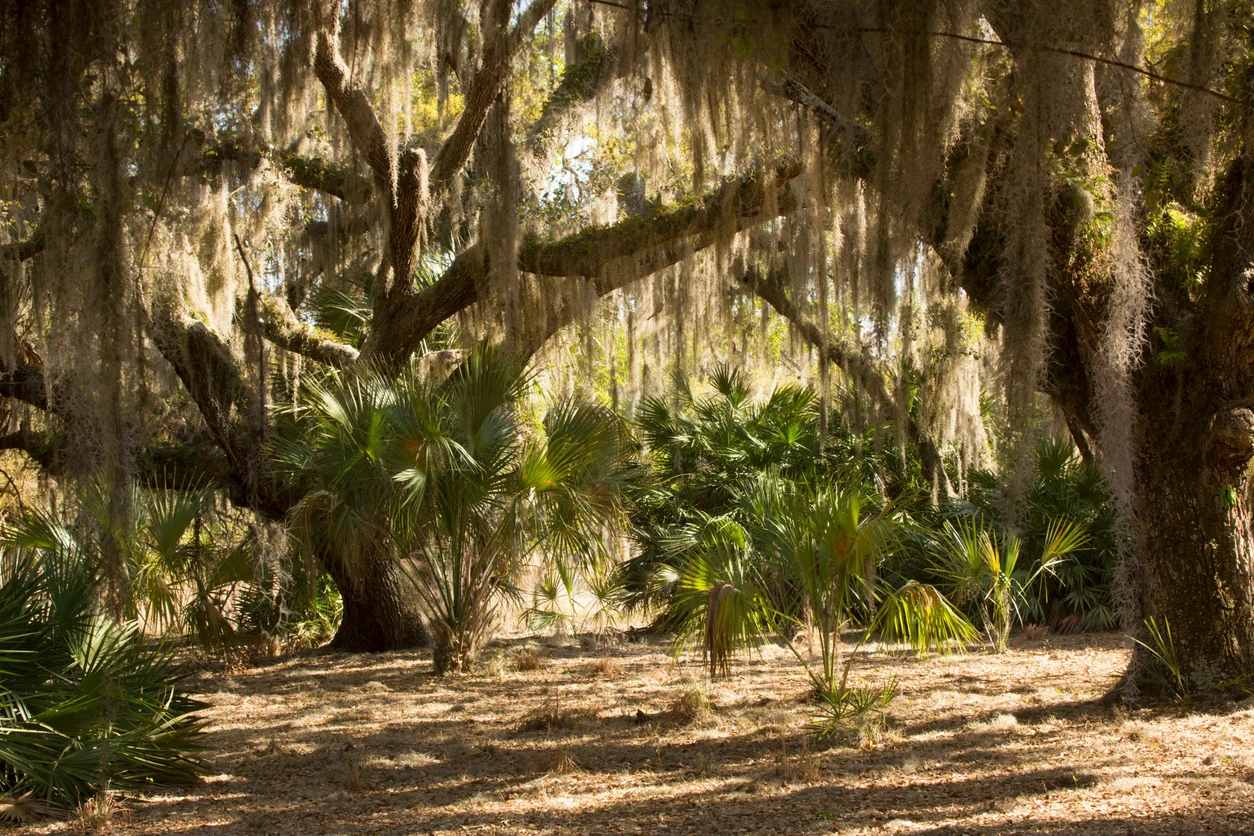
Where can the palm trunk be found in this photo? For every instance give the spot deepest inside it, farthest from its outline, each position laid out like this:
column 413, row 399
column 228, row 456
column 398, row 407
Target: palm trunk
column 453, row 652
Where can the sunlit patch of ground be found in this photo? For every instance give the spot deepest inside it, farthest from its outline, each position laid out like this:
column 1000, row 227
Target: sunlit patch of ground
column 595, row 740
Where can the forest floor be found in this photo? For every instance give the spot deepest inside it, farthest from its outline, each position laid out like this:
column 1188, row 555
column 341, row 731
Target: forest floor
column 610, row 740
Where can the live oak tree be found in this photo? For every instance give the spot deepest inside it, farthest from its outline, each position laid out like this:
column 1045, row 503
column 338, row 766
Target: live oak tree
column 192, row 189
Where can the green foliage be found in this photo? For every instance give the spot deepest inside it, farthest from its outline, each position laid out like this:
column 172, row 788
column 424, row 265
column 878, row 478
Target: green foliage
column 706, row 454
column 186, row 567
column 752, row 525
column 840, row 706
column 1168, row 355
column 556, row 605
column 720, row 598
column 87, row 704
column 919, row 616
column 981, row 568
column 828, row 539
column 1179, row 239
column 749, row 522
column 447, row 481
column 1164, row 671
column 292, row 610
column 182, row 562
column 1074, row 594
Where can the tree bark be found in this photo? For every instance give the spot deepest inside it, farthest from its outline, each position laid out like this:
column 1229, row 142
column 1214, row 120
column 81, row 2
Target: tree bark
column 1196, row 549
column 380, row 610
column 1195, row 495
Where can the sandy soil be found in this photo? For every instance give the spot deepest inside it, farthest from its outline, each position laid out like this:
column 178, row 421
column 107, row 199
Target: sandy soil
column 602, row 740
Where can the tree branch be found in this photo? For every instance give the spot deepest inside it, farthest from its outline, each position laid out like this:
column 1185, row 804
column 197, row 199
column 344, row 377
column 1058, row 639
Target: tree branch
column 23, row 250
column 851, row 141
column 301, row 170
column 284, row 329
column 213, row 378
column 611, row 257
column 35, row 445
column 26, row 383
column 849, row 356
column 580, row 84
column 590, row 252
column 364, row 128
column 207, row 368
column 483, row 91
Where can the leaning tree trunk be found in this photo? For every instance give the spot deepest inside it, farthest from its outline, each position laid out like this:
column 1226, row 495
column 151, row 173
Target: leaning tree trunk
column 380, row 610
column 1196, row 542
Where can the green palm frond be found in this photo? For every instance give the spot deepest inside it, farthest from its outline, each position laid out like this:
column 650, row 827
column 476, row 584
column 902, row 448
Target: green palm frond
column 721, row 603
column 88, row 704
column 447, row 481
column 919, row 616
column 968, row 561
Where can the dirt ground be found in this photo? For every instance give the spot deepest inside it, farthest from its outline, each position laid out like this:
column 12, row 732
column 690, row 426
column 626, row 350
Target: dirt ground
column 611, row 740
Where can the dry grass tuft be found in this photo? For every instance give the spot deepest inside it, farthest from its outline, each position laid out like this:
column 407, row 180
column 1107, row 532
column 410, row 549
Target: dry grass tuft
column 873, row 731
column 691, row 705
column 528, row 660
column 560, row 762
column 494, row 666
column 99, row 814
column 414, row 760
column 1035, row 632
column 800, row 766
column 606, row 668
column 1002, row 722
column 353, row 772
column 551, row 715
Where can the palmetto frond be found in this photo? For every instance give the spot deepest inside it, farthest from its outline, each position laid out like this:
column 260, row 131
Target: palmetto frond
column 919, row 616
column 87, row 703
column 444, row 480
column 981, row 567
column 719, row 596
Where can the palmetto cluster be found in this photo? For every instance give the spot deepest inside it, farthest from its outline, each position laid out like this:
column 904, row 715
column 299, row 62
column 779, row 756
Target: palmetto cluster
column 86, row 702
column 449, row 483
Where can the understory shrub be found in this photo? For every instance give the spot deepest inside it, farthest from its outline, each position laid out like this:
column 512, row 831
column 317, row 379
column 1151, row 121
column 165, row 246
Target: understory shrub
column 86, row 703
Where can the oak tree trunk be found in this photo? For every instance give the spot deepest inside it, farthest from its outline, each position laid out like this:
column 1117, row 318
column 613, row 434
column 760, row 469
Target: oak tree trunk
column 380, row 610
column 1196, row 543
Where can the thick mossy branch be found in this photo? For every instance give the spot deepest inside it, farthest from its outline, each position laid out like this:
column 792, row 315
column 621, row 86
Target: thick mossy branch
column 580, row 84
column 38, row 446
column 211, row 374
column 635, row 247
column 316, row 173
column 25, row 382
column 23, row 250
column 590, row 252
column 364, row 128
column 205, row 365
column 851, row 142
column 308, row 172
column 484, row 89
column 284, row 329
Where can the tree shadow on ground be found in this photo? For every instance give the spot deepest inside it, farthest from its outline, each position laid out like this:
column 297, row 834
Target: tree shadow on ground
column 320, row 744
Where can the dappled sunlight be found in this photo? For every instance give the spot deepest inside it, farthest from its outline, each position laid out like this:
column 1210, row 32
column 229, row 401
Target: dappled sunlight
column 1019, row 742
